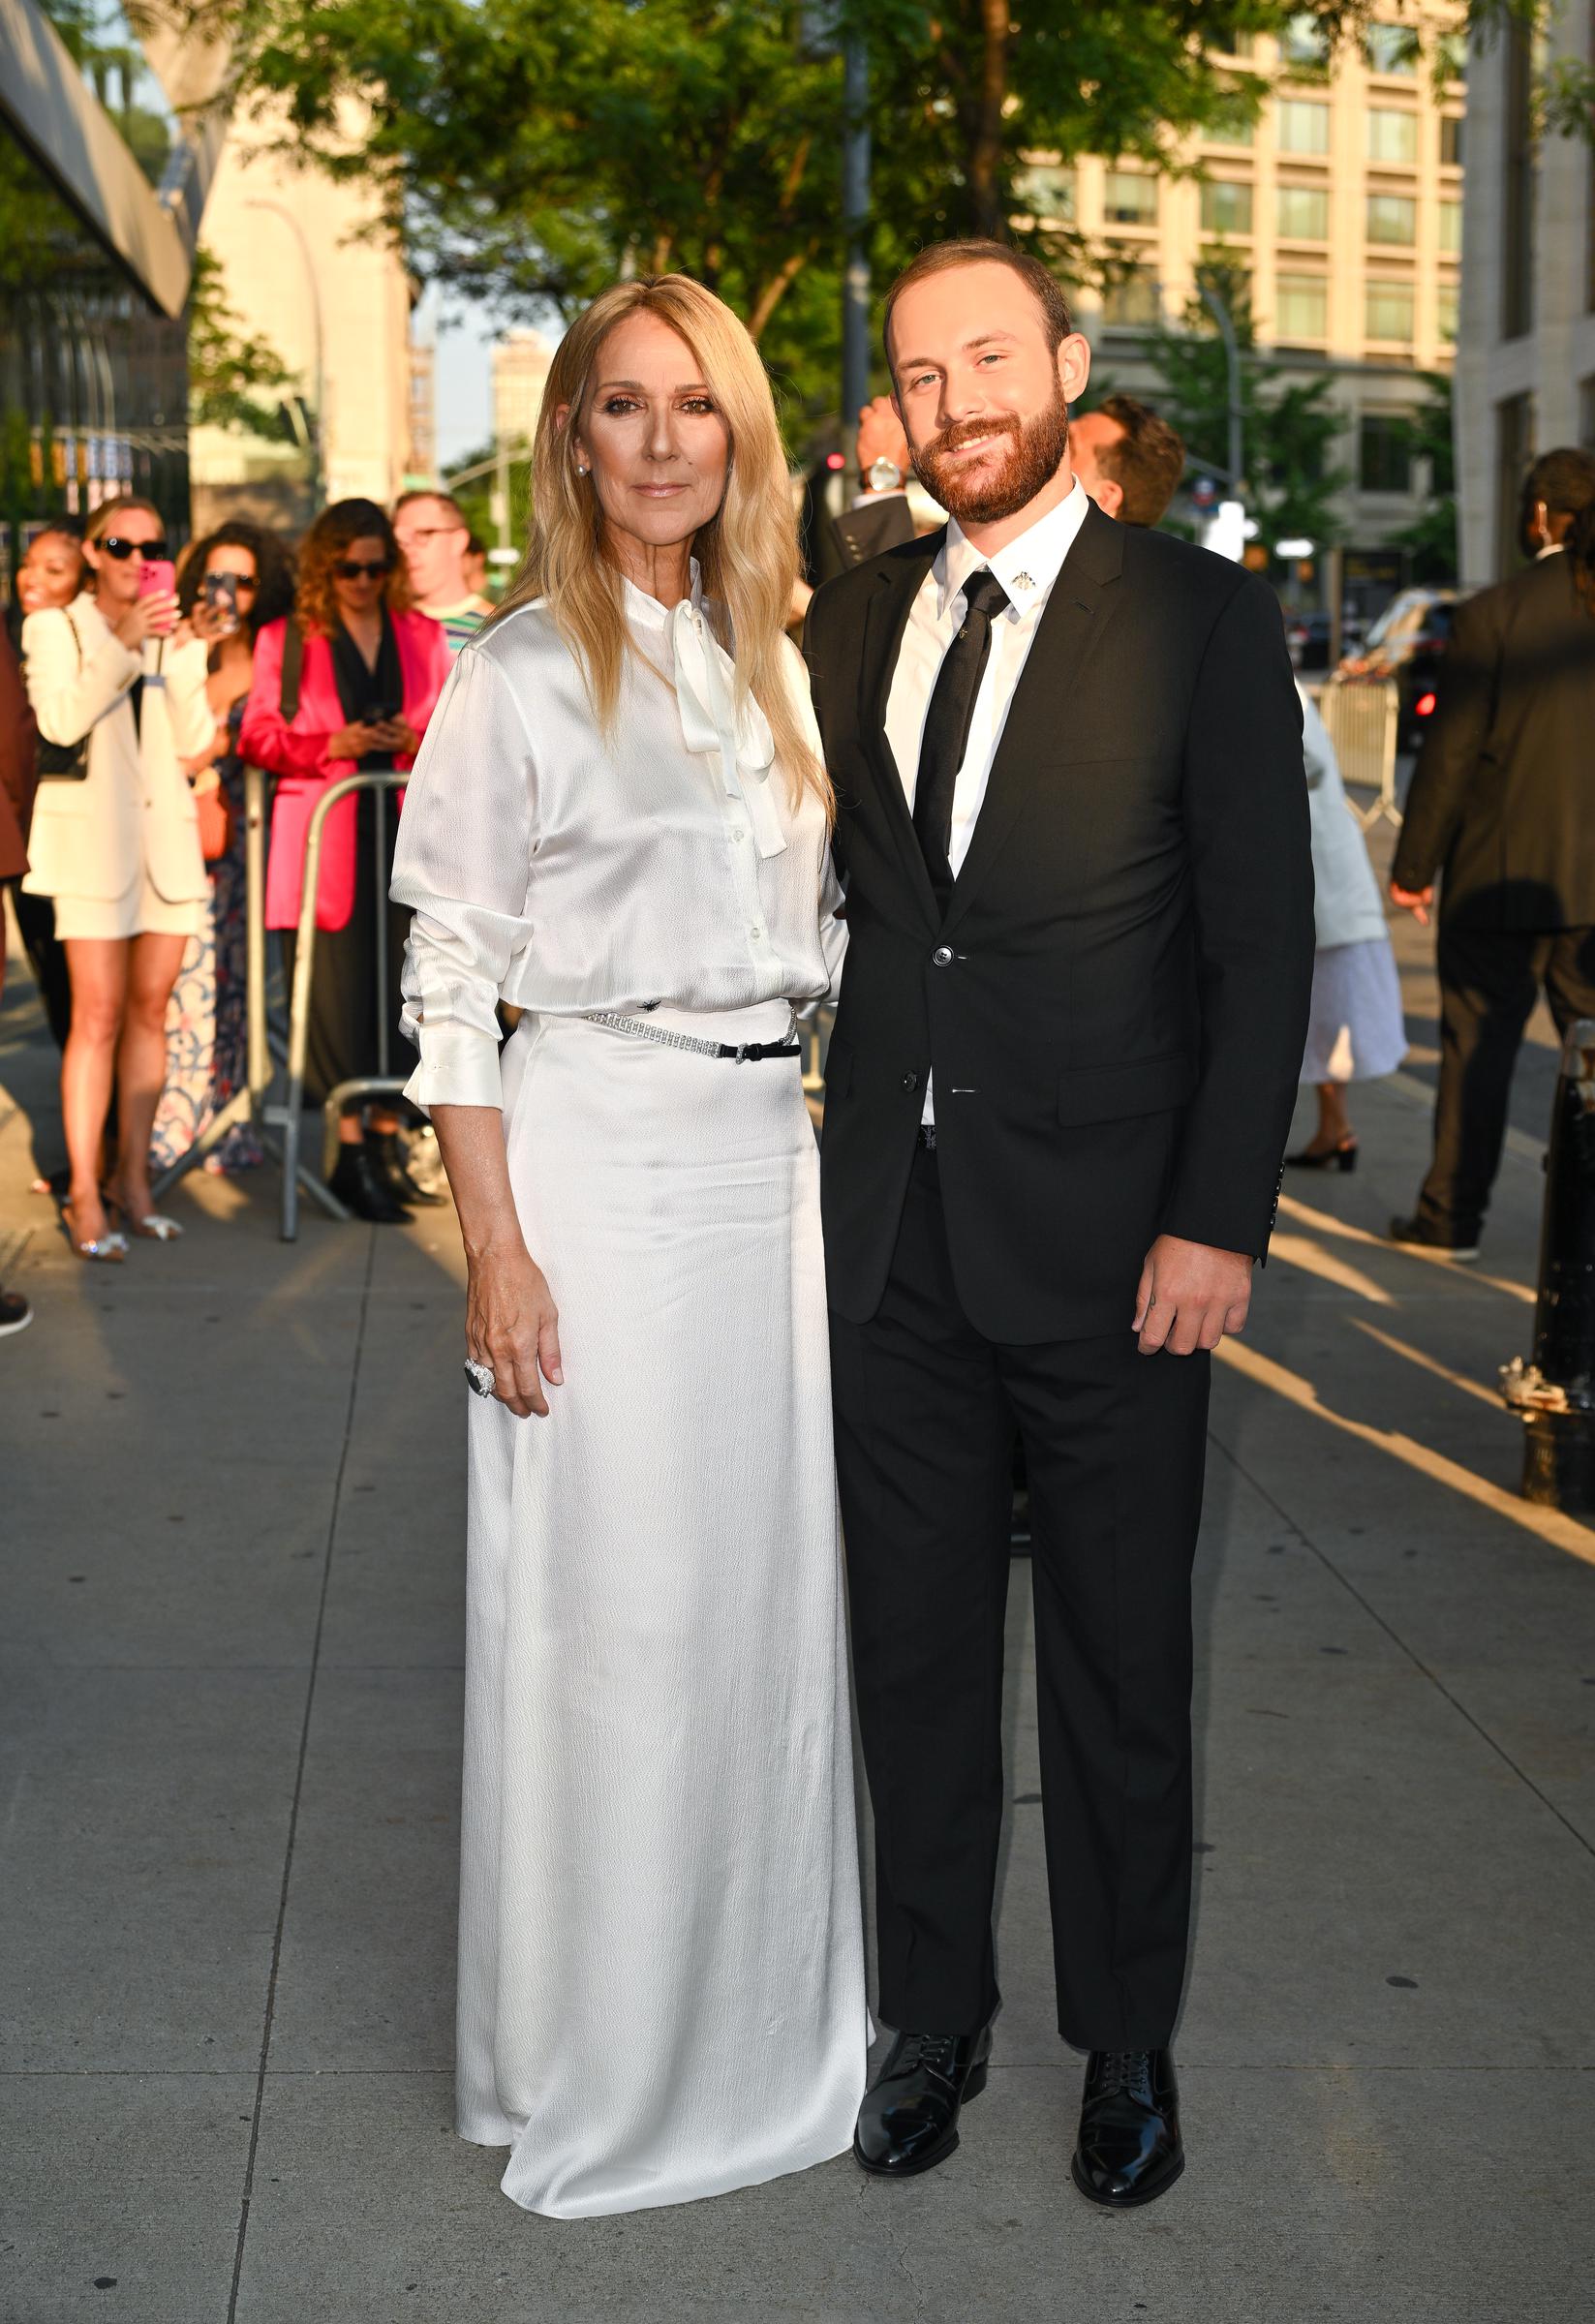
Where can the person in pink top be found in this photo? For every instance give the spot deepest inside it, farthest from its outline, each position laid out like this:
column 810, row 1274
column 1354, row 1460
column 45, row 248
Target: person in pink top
column 371, row 671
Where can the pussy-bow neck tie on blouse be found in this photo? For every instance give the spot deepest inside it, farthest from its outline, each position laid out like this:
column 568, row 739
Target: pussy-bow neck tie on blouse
column 711, row 721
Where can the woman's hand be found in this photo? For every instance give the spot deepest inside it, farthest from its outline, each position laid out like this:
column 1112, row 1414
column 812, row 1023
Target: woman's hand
column 398, row 736
column 154, row 616
column 353, row 741
column 512, row 1324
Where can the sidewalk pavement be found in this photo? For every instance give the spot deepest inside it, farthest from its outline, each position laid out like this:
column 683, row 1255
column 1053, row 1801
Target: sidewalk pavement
column 234, row 1508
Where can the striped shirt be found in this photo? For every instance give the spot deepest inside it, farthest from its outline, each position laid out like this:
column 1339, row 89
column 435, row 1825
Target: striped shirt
column 460, row 622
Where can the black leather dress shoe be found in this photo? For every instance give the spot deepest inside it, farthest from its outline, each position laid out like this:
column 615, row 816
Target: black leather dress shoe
column 360, row 1186
column 387, row 1159
column 1129, row 2149
column 908, row 2121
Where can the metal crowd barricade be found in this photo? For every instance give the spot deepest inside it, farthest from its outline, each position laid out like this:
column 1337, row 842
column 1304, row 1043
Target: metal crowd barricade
column 249, row 1105
column 1362, row 717
column 291, row 1114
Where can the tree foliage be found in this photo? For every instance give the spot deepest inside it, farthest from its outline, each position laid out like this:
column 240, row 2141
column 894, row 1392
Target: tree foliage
column 235, row 376
column 1431, row 539
column 1289, row 427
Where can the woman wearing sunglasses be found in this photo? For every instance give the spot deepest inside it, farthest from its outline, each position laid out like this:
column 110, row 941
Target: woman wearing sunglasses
column 116, row 842
column 372, row 669
column 246, row 574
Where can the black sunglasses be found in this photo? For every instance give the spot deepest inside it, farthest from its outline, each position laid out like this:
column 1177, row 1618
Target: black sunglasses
column 115, row 547
column 351, row 569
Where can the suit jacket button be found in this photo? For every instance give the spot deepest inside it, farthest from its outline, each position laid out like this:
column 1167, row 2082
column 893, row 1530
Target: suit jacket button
column 911, row 1081
column 943, row 955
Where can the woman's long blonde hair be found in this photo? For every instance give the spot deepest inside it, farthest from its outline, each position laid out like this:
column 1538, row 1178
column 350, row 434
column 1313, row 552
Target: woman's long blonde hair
column 746, row 553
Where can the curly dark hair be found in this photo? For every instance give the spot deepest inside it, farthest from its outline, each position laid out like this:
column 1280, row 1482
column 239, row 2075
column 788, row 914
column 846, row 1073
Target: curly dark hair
column 273, row 571
column 332, row 536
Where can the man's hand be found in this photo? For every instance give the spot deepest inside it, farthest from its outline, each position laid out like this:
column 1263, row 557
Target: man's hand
column 1190, row 1294
column 881, row 437
column 1416, row 900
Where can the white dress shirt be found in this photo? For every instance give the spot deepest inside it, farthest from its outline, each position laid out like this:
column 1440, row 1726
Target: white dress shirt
column 1027, row 568
column 567, row 871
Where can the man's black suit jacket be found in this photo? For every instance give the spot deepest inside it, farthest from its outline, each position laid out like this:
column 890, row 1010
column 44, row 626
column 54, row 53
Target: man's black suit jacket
column 1114, row 1004
column 1503, row 793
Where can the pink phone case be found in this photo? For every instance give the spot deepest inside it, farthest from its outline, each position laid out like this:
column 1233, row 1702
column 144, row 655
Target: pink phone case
column 157, row 577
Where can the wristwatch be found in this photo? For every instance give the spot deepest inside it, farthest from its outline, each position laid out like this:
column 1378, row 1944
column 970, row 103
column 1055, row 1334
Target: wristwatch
column 883, row 476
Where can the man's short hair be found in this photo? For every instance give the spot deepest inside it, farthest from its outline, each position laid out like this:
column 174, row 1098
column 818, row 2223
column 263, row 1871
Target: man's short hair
column 939, row 257
column 1147, row 462
column 1564, row 480
column 444, row 500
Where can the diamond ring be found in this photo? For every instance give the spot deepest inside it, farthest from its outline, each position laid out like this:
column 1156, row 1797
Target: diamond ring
column 478, row 1377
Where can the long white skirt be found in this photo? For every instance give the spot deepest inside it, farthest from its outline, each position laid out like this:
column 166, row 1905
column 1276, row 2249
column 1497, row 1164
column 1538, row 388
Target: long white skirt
column 662, row 1980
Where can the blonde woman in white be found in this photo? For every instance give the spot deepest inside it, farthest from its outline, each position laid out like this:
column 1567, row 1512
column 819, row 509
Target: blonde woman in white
column 117, row 847
column 1356, row 1031
column 619, row 824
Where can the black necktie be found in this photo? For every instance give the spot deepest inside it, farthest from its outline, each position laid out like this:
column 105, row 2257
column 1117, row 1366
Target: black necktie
column 946, row 733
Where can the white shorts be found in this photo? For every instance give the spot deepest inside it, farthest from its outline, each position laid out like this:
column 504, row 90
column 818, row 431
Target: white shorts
column 141, row 911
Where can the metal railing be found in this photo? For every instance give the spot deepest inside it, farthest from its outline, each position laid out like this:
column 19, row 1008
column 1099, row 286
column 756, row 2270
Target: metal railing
column 291, row 1114
column 1363, row 719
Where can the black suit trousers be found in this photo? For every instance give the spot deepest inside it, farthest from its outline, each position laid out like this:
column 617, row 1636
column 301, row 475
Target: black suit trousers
column 926, row 1410
column 1489, row 980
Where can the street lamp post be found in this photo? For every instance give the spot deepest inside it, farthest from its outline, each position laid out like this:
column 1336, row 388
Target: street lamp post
column 1236, row 450
column 855, row 210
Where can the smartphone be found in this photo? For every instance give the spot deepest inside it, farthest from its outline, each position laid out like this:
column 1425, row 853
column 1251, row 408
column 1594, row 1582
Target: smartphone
column 157, row 577
column 379, row 716
column 220, row 591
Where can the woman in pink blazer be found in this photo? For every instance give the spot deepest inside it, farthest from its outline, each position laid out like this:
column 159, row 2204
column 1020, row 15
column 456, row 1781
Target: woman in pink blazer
column 371, row 672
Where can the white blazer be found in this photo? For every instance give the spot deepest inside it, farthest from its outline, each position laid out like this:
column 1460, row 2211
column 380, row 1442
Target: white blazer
column 1347, row 906
column 133, row 811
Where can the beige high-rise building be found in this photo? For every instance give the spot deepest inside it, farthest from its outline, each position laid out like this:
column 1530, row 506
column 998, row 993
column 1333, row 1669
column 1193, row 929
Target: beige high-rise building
column 520, row 373
column 300, row 270
column 1342, row 204
column 1525, row 371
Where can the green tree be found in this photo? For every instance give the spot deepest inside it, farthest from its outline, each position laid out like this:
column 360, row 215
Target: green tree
column 1431, row 539
column 1289, row 427
column 236, row 378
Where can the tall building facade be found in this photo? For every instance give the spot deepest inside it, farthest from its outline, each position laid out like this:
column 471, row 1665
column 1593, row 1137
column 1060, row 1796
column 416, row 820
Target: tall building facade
column 94, row 277
column 520, row 373
column 1342, row 206
column 301, row 269
column 1525, row 370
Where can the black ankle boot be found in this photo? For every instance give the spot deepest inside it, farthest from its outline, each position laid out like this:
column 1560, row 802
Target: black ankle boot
column 387, row 1156
column 361, row 1187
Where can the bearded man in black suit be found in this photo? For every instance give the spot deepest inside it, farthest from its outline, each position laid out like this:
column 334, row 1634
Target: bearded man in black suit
column 1073, row 827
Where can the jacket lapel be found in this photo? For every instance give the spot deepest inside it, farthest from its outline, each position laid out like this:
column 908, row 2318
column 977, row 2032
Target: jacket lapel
column 1075, row 613
column 885, row 617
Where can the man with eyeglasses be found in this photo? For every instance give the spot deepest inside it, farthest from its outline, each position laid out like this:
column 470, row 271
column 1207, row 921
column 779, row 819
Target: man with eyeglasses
column 431, row 529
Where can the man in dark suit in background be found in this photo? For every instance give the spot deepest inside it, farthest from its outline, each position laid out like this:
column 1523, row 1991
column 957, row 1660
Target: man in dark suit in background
column 1128, row 459
column 1503, row 804
column 1067, row 757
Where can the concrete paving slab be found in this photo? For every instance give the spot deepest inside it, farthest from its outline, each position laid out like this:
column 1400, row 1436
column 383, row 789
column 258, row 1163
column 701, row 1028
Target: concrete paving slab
column 366, row 1977
column 121, row 2196
column 144, row 1842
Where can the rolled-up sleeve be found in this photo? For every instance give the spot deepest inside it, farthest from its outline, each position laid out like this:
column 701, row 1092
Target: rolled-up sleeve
column 463, row 866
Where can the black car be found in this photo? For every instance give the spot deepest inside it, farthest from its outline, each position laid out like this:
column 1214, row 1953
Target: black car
column 1307, row 635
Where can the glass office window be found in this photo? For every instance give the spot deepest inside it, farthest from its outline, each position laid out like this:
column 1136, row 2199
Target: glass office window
column 1392, row 135
column 1391, row 49
column 1389, row 312
column 1450, row 140
column 1450, row 226
column 1047, row 189
column 1447, row 309
column 1302, row 213
column 1303, row 40
column 1226, row 206
column 1130, row 199
column 1130, row 302
column 1384, row 452
column 1233, row 124
column 1300, row 307
column 1392, row 218
column 1303, row 124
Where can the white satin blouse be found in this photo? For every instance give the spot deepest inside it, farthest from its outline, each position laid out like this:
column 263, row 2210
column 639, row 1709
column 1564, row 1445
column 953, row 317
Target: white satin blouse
column 566, row 870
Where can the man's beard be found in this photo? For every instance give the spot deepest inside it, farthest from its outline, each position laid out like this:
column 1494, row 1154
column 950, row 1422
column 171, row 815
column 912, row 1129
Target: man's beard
column 1039, row 446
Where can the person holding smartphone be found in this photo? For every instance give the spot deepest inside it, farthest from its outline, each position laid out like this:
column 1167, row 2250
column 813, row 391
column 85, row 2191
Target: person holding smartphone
column 117, row 684
column 372, row 667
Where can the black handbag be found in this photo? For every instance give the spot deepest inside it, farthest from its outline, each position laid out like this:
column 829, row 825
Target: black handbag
column 65, row 762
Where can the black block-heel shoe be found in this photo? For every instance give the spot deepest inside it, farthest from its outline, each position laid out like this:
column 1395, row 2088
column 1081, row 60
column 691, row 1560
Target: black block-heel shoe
column 360, row 1188
column 1334, row 1157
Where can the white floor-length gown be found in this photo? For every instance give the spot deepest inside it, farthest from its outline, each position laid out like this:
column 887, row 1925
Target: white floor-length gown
column 661, row 1986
